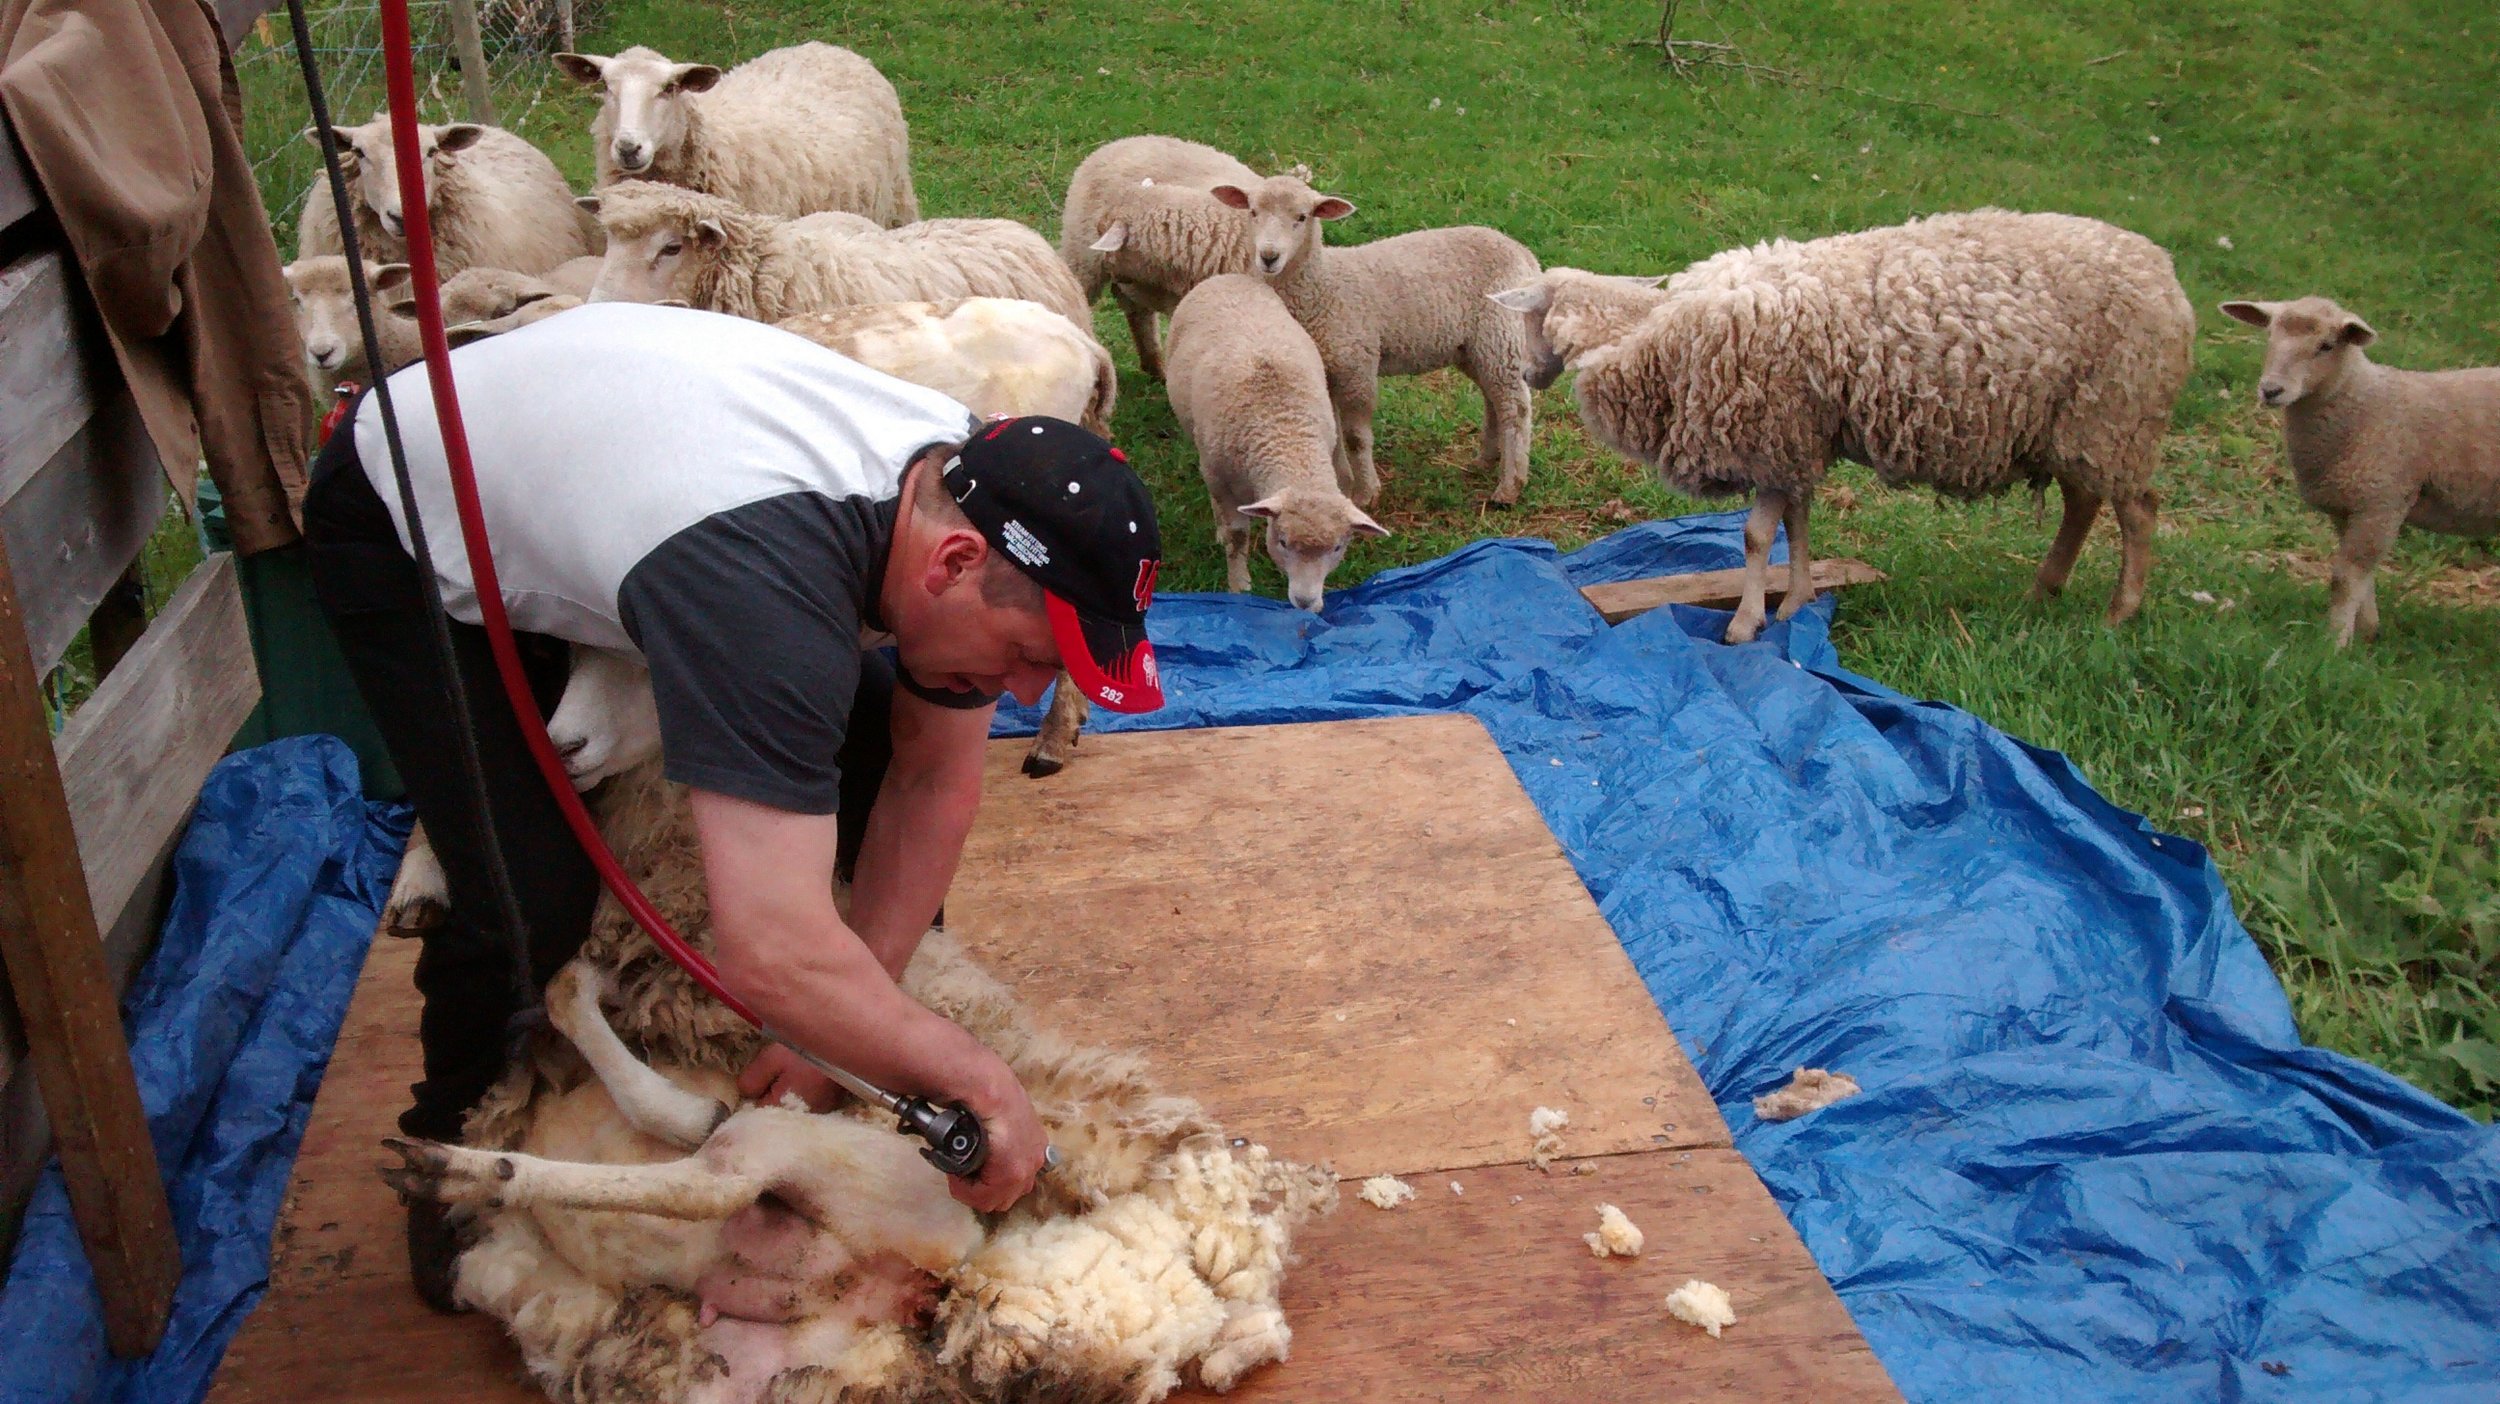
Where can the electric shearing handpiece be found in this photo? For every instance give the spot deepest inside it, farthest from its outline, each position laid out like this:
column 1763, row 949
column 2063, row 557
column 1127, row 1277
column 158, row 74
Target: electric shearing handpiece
column 956, row 1143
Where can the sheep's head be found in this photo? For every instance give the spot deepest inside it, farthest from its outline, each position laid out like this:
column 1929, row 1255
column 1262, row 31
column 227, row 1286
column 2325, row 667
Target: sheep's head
column 1307, row 534
column 325, row 315
column 1285, row 216
column 1570, row 313
column 2309, row 345
column 663, row 242
column 371, row 163
column 643, row 96
column 475, row 295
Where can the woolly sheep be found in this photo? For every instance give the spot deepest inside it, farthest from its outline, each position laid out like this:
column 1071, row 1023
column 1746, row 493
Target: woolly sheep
column 1397, row 306
column 325, row 320
column 993, row 355
column 1248, row 386
column 1154, row 1253
column 1139, row 218
column 2375, row 448
column 1968, row 352
column 664, row 242
column 807, row 128
column 496, row 201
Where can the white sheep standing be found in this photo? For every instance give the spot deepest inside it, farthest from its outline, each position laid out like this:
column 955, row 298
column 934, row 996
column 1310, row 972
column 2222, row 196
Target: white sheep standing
column 495, row 200
column 1248, row 386
column 1968, row 352
column 668, row 243
column 785, row 1257
column 1397, row 306
column 791, row 132
column 2375, row 448
column 1139, row 219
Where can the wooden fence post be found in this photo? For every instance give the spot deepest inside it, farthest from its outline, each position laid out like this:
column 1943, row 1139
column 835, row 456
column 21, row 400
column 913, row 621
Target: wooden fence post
column 55, row 960
column 472, row 51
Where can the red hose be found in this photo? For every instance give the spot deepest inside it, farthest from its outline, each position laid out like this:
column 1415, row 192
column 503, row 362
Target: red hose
column 399, row 69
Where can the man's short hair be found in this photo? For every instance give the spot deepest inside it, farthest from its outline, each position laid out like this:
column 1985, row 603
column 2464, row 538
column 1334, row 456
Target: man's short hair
column 1003, row 586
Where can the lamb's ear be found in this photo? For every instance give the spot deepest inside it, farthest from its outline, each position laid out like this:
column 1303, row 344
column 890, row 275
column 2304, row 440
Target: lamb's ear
column 1113, row 239
column 2256, row 314
column 1365, row 526
column 459, row 136
column 1652, row 280
column 1535, row 297
column 710, row 233
column 402, row 307
column 587, row 204
column 2354, row 332
column 589, row 70
column 345, row 137
column 1331, row 207
column 1232, row 195
column 693, row 77
column 390, row 276
column 1265, row 509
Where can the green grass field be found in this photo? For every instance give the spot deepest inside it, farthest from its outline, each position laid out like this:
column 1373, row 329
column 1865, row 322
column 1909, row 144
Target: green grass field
column 2352, row 800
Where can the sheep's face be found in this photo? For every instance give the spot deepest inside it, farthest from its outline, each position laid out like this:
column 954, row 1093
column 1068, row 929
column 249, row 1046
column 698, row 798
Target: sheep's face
column 483, row 295
column 1307, row 534
column 325, row 315
column 2309, row 344
column 370, row 162
column 1569, row 313
column 1285, row 216
column 662, row 263
column 1532, row 301
column 643, row 101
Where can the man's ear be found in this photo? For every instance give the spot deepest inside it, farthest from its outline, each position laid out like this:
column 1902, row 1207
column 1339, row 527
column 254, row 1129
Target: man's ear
column 958, row 560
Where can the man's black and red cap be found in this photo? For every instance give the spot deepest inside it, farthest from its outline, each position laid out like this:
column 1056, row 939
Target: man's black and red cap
column 1066, row 508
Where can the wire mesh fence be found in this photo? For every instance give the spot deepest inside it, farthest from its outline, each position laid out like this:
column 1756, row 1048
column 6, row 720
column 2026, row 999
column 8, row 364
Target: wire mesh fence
column 523, row 88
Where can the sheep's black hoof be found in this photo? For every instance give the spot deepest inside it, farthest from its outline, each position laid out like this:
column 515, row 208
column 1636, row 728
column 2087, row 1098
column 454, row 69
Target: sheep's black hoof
column 1495, row 504
column 1039, row 766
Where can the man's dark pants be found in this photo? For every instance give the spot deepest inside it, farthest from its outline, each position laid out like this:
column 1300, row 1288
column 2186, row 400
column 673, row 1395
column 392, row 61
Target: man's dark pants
column 369, row 587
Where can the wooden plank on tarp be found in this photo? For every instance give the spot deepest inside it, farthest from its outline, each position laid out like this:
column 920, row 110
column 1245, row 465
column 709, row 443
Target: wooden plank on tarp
column 1717, row 589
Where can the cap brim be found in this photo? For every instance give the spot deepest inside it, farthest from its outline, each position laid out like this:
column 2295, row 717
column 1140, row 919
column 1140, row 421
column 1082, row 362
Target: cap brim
column 1111, row 663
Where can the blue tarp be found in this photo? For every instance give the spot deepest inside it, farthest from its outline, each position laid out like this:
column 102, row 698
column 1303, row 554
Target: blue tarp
column 2093, row 1160
column 278, row 883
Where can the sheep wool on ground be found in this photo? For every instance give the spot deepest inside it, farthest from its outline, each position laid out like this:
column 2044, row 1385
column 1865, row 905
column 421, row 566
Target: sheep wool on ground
column 1702, row 1304
column 1385, row 1192
column 1545, row 1127
column 1808, row 1089
column 1616, row 1237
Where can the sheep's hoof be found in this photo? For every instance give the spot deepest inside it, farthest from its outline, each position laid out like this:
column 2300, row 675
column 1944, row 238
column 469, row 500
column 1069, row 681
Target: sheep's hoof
column 1038, row 765
column 1500, row 504
column 415, row 915
column 432, row 1171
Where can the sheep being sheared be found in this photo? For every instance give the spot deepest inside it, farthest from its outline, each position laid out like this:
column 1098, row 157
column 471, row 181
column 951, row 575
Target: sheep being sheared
column 792, row 1257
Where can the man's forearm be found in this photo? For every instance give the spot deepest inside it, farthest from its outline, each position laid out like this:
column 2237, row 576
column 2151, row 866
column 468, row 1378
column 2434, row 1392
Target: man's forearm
column 907, row 858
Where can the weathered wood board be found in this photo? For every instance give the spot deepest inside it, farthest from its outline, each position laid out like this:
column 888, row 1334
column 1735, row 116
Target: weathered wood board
column 1218, row 898
column 1717, row 589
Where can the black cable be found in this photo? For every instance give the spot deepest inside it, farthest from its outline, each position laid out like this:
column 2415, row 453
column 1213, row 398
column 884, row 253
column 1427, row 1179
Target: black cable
column 499, row 876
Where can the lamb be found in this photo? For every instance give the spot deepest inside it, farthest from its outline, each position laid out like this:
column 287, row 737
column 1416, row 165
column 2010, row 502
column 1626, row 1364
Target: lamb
column 2375, row 448
column 325, row 318
column 807, row 128
column 664, row 242
column 789, row 1256
column 1397, row 306
column 496, row 201
column 1139, row 218
column 1968, row 352
column 1249, row 387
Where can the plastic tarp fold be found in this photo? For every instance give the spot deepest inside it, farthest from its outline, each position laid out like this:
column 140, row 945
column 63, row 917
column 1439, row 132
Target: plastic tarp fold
column 277, row 885
column 2092, row 1160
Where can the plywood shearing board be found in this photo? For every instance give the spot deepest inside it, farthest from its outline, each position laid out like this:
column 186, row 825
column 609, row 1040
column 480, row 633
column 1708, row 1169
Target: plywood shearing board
column 1218, row 899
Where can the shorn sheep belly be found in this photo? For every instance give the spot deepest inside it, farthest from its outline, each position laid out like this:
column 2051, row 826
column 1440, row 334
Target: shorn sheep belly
column 792, row 1257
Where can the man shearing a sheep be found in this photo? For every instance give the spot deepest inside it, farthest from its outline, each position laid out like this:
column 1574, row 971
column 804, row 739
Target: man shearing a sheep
column 757, row 517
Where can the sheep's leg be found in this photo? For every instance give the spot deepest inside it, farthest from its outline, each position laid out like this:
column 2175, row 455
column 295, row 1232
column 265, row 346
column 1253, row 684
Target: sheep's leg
column 2363, row 543
column 2081, row 506
column 649, row 1102
column 1800, row 556
column 420, row 896
column 691, row 1188
column 1141, row 329
column 2365, row 624
column 1508, row 416
column 2135, row 535
column 1361, row 478
column 1233, row 534
column 1761, row 524
column 1055, row 744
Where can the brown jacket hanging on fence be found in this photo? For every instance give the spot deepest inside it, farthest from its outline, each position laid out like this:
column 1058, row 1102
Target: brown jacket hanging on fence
column 129, row 115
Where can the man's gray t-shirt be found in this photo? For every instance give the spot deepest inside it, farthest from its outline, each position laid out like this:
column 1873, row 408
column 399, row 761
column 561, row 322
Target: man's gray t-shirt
column 714, row 494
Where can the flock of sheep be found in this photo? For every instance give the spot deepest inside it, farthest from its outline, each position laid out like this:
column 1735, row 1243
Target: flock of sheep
column 1967, row 352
